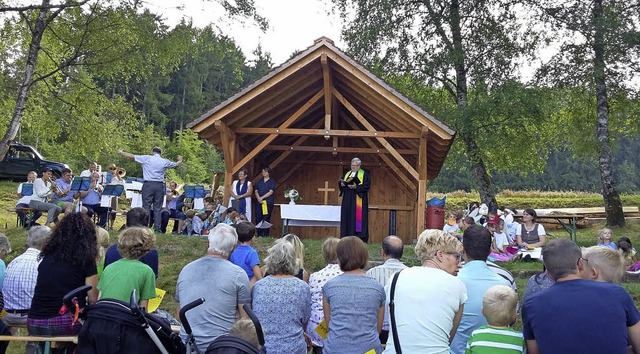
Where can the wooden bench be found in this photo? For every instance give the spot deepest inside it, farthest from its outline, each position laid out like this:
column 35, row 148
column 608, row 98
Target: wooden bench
column 15, row 210
column 49, row 342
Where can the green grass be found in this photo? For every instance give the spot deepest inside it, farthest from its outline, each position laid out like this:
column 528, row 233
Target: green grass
column 176, row 251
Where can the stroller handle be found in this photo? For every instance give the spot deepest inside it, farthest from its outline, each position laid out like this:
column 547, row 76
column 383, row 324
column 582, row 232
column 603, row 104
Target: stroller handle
column 74, row 294
column 183, row 311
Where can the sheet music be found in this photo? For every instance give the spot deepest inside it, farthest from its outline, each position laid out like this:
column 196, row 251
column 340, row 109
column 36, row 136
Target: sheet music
column 198, row 203
column 136, row 200
column 105, row 201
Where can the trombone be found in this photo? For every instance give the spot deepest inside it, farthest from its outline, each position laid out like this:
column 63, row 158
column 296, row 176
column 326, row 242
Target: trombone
column 55, row 186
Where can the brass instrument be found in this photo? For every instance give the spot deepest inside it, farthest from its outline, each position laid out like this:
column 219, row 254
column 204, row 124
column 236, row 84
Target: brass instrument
column 54, row 187
column 175, row 193
column 121, row 172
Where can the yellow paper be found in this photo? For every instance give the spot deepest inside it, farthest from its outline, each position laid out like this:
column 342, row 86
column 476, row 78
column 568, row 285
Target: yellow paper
column 372, row 351
column 265, row 211
column 322, row 329
column 155, row 302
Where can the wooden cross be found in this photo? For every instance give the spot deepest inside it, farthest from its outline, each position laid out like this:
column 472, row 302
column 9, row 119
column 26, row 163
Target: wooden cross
column 326, row 191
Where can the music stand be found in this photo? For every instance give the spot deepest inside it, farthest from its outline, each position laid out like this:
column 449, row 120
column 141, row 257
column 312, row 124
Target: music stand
column 194, row 192
column 110, row 191
column 27, row 189
column 80, row 184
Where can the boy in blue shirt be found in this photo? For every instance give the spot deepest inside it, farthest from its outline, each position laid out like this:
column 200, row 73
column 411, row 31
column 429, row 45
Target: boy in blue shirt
column 245, row 256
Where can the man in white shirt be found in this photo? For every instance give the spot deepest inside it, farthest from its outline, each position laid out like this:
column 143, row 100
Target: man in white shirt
column 153, row 189
column 20, row 281
column 42, row 191
column 93, row 167
column 392, row 249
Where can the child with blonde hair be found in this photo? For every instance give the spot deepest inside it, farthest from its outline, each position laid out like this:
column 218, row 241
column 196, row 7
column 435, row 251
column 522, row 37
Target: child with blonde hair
column 605, row 238
column 602, row 264
column 499, row 308
column 121, row 277
column 102, row 237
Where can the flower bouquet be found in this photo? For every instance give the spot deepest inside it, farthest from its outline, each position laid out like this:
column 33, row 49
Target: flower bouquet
column 293, row 195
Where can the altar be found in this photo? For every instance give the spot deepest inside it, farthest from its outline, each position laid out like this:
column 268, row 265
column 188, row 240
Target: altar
column 309, row 215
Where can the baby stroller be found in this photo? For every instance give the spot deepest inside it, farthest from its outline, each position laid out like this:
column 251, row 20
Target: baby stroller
column 113, row 326
column 234, row 345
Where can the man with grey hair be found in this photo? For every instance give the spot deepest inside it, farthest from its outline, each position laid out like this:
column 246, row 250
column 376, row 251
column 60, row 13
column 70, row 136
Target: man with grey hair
column 20, row 281
column 354, row 213
column 392, row 249
column 223, row 285
column 577, row 315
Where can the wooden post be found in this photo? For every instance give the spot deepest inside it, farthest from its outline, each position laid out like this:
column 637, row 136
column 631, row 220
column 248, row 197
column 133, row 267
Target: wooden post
column 326, row 191
column 422, row 182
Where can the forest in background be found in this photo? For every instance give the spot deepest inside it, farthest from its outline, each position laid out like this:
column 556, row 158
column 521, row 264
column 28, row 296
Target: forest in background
column 112, row 75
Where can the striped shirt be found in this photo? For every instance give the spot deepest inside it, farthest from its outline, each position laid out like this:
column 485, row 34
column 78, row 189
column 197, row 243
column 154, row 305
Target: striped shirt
column 383, row 274
column 20, row 280
column 491, row 340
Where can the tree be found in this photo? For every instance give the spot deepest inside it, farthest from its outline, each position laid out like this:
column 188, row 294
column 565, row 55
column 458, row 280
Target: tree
column 467, row 49
column 39, row 17
column 599, row 49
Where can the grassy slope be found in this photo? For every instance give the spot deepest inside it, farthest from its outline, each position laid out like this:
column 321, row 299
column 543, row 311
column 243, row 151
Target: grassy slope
column 177, row 251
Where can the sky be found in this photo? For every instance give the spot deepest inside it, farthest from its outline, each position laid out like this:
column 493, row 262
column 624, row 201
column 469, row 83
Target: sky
column 293, row 24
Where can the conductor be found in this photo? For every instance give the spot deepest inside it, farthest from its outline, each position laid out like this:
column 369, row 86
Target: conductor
column 354, row 214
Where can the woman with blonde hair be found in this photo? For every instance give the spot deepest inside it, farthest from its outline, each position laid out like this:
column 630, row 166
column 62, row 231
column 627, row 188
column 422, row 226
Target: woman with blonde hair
column 429, row 299
column 282, row 302
column 299, row 252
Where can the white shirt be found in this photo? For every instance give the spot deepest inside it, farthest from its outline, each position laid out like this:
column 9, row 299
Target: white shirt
column 383, row 274
column 41, row 190
column 427, row 300
column 153, row 166
column 85, row 173
column 501, row 240
column 316, row 282
column 20, row 280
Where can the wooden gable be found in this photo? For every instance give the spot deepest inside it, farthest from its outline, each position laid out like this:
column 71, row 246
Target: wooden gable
column 310, row 116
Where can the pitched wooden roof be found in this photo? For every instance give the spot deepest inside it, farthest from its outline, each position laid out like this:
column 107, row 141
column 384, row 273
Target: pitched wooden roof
column 322, row 102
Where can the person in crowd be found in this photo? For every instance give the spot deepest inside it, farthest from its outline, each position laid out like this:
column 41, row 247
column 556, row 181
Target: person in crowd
column 93, row 167
column 241, row 191
column 91, row 200
column 197, row 223
column 224, row 293
column 264, row 190
column 353, row 303
column 68, row 262
column 466, row 222
column 245, row 329
column 392, row 249
column 499, row 308
column 5, row 249
column 299, row 251
column 317, row 281
column 42, row 191
column 136, row 217
column 282, row 302
column 128, row 273
column 245, row 256
column 20, row 281
column 153, row 190
column 499, row 251
column 477, row 278
column 429, row 299
column 602, row 263
column 102, row 236
column 354, row 213
column 530, row 233
column 453, row 222
column 62, row 194
column 628, row 252
column 602, row 319
column 173, row 212
column 537, row 283
column 605, row 237
column 23, row 202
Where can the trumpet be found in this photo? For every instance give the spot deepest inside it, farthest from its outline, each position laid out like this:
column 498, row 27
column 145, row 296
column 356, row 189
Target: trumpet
column 54, row 187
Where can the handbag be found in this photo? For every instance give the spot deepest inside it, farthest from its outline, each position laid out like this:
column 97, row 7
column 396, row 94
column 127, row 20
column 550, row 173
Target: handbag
column 392, row 306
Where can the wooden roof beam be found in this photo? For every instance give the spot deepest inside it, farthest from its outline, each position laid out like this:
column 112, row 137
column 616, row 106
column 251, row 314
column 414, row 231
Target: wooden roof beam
column 229, row 143
column 327, row 83
column 353, row 150
column 382, row 141
column 325, row 132
column 392, row 166
column 422, row 182
column 271, row 137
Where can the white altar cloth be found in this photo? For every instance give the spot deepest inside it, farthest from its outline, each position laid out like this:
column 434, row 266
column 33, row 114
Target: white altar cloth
column 310, row 215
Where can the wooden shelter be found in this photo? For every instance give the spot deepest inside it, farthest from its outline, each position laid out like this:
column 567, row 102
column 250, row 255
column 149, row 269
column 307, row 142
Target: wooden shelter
column 309, row 117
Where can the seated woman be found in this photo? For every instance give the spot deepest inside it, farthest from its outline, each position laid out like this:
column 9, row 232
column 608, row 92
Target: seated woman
column 429, row 299
column 68, row 262
column 530, row 233
column 282, row 302
column 353, row 303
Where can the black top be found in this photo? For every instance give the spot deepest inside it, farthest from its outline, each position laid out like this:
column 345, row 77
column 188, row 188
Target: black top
column 55, row 279
column 263, row 187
